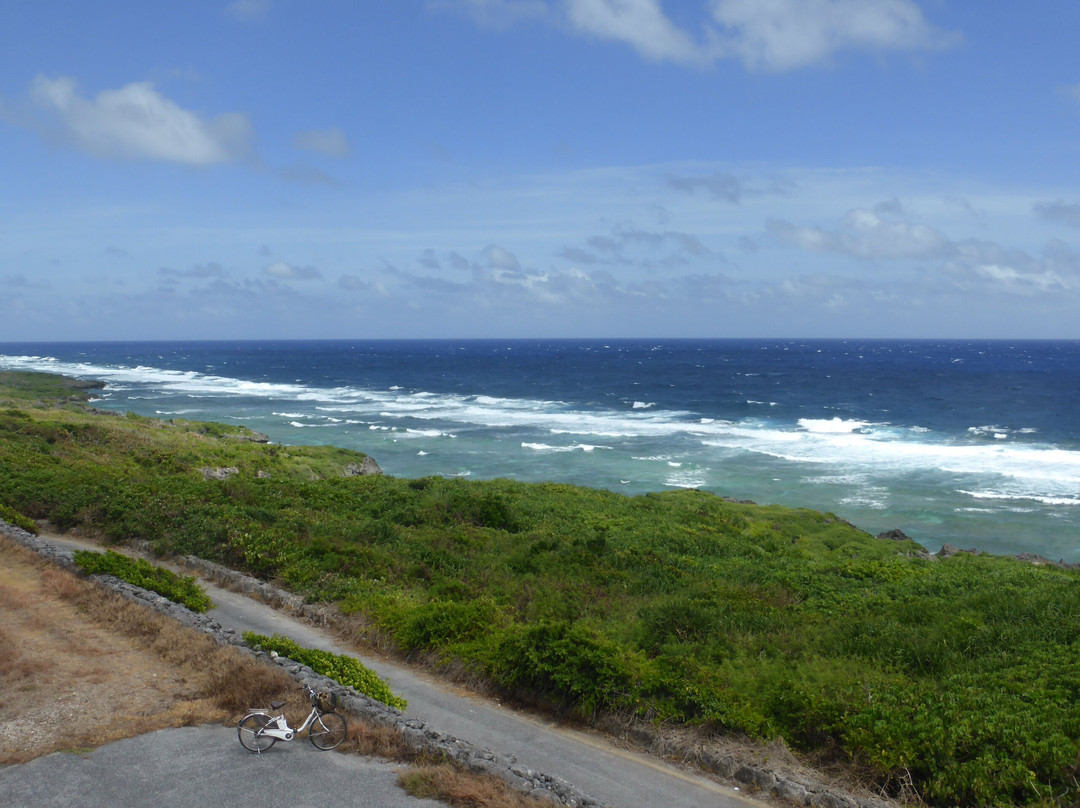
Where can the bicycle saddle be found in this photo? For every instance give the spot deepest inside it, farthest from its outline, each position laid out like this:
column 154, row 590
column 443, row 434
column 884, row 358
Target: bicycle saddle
column 276, row 705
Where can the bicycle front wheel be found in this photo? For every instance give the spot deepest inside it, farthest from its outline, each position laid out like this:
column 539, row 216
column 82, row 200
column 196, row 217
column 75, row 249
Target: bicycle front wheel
column 249, row 731
column 327, row 731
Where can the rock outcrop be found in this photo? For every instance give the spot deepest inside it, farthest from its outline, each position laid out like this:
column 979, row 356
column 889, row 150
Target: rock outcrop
column 364, row 468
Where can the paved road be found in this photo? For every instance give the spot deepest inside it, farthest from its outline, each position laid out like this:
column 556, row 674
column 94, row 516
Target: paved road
column 197, row 767
column 614, row 776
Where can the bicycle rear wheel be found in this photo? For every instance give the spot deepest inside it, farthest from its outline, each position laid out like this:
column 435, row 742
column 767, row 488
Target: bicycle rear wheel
column 249, row 731
column 327, row 731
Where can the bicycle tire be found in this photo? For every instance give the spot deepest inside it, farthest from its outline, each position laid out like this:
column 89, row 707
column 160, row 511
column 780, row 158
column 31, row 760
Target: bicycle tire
column 327, row 731
column 248, row 732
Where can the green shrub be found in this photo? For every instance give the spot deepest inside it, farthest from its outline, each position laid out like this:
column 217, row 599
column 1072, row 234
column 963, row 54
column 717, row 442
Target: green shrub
column 342, row 669
column 566, row 662
column 443, row 623
column 13, row 517
column 177, row 588
column 956, row 676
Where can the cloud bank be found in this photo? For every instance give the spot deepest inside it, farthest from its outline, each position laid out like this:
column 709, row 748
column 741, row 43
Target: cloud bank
column 766, row 35
column 137, row 123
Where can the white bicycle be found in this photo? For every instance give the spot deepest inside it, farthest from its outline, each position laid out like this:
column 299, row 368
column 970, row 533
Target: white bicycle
column 259, row 730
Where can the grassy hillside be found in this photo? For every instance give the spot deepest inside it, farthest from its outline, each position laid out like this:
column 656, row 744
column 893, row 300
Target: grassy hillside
column 958, row 675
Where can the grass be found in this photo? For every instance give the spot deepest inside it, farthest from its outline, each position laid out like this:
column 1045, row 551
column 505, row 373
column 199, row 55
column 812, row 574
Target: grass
column 125, row 669
column 957, row 677
column 463, row 789
column 212, row 683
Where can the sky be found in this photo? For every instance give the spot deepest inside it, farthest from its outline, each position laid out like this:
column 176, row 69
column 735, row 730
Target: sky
column 364, row 169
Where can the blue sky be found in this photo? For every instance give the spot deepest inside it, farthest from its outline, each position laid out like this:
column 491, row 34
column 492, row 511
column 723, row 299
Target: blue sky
column 539, row 168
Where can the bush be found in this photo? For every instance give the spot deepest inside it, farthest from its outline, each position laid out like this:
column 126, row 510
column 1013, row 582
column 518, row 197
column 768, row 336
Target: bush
column 442, row 623
column 676, row 605
column 13, row 517
column 566, row 662
column 345, row 670
column 177, row 588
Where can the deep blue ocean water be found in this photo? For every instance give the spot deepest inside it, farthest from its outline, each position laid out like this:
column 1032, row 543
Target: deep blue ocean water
column 973, row 443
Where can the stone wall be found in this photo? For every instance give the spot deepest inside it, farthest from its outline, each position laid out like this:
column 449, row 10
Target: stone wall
column 794, row 790
column 416, row 733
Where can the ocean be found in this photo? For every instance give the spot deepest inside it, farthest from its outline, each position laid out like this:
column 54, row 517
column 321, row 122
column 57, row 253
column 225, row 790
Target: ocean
column 971, row 443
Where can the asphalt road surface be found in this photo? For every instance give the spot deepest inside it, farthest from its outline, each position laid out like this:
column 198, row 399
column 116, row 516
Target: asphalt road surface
column 200, row 767
column 609, row 774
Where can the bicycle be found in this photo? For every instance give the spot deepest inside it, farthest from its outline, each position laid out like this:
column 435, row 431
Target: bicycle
column 259, row 730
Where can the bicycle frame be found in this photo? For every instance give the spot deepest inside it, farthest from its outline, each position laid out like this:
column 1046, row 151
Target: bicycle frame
column 279, row 728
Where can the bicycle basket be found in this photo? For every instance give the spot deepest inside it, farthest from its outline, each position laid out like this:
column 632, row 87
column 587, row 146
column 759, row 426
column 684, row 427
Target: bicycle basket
column 326, row 701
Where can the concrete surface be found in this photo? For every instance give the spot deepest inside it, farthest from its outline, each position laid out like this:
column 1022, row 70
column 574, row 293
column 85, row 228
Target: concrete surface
column 203, row 767
column 614, row 776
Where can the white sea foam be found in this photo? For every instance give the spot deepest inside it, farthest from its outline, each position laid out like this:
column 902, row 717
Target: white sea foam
column 837, row 426
column 873, row 497
column 1005, row 495
column 428, row 433
column 687, row 478
column 544, row 447
column 642, row 405
column 1012, row 467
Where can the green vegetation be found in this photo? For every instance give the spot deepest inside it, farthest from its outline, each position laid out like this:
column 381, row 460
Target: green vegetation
column 13, row 517
column 345, row 670
column 41, row 388
column 178, row 588
column 960, row 675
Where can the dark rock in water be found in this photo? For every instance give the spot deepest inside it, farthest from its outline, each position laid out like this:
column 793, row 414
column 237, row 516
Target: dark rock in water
column 365, row 468
column 896, row 534
column 735, row 501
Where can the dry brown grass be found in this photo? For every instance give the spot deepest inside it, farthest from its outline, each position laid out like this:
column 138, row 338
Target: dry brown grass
column 463, row 789
column 433, row 779
column 82, row 666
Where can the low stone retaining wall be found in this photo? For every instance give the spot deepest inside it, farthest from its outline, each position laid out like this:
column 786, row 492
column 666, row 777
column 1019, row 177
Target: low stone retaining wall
column 417, row 734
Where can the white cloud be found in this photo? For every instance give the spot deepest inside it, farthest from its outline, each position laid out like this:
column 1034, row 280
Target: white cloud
column 498, row 258
column 1015, row 272
column 137, row 123
column 331, row 142
column 866, row 233
column 285, row 271
column 788, row 34
column 628, row 245
column 640, row 23
column 772, row 35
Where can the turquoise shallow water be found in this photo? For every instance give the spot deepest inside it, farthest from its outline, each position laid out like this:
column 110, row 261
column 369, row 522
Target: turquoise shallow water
column 969, row 443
